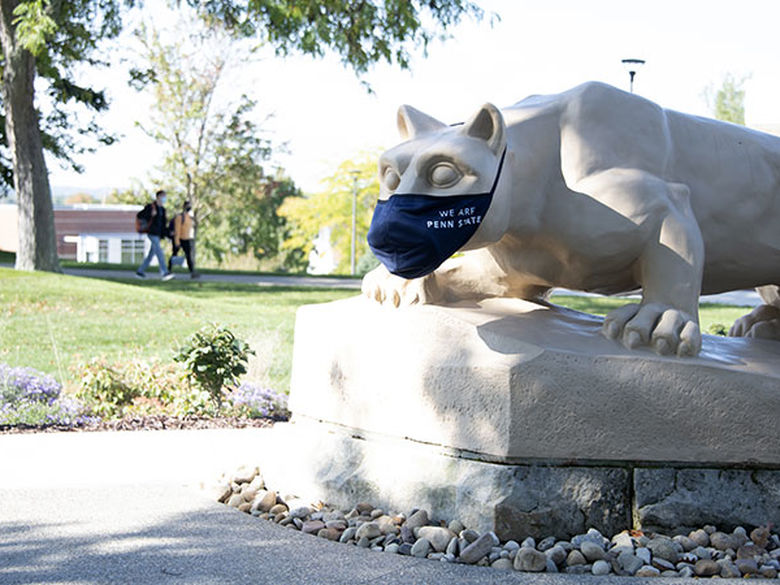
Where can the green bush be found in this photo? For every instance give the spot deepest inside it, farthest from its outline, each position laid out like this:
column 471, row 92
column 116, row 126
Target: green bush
column 718, row 329
column 214, row 358
column 138, row 388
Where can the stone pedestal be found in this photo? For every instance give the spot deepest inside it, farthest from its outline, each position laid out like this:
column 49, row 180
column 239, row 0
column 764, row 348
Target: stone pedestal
column 521, row 418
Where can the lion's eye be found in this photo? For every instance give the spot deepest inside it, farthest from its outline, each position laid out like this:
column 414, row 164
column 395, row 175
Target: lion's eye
column 391, row 179
column 444, row 175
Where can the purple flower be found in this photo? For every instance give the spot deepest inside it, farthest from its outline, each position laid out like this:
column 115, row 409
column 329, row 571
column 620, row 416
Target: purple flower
column 259, row 402
column 27, row 384
column 30, row 398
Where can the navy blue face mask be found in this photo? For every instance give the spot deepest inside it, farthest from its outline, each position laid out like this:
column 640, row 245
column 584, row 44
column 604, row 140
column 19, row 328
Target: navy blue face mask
column 412, row 234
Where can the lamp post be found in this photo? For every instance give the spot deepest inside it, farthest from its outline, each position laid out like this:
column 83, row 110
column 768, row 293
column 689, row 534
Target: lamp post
column 631, row 66
column 354, row 174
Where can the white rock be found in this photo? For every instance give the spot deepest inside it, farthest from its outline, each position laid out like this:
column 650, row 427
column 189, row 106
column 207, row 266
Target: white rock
column 601, row 567
column 438, row 536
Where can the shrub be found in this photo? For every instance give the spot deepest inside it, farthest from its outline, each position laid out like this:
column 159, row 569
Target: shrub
column 718, row 329
column 257, row 402
column 214, row 358
column 137, row 387
column 31, row 398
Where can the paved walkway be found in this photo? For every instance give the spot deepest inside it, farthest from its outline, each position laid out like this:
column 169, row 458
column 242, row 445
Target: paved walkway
column 127, row 508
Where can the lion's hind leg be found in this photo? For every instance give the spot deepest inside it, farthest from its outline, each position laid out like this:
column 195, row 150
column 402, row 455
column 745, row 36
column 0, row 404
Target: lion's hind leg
column 763, row 322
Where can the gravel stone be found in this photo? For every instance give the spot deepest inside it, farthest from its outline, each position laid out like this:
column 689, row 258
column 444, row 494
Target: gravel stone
column 721, row 541
column 700, row 537
column 601, row 567
column 592, row 551
column 421, row 548
column 629, row 562
column 662, row 564
column 312, row 526
column 556, row 554
column 438, row 536
column 368, row 530
column 644, row 553
column 574, row 558
column 768, row 571
column 329, row 534
column 665, row 548
column 647, row 571
column 416, row 520
column 686, row 543
column 301, row 512
column 530, row 560
column 706, row 568
column 747, row 566
column 475, row 551
column 729, row 570
column 502, row 564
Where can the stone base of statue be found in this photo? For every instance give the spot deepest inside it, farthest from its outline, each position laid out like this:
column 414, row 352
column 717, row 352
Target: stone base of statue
column 521, row 418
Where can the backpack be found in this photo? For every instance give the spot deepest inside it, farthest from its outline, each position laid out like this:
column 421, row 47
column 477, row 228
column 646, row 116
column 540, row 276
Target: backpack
column 171, row 232
column 143, row 219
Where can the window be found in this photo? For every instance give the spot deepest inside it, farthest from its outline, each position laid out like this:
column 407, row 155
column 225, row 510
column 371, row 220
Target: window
column 102, row 250
column 132, row 251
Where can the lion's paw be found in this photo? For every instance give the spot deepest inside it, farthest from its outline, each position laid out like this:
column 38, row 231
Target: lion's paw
column 668, row 331
column 389, row 289
column 763, row 322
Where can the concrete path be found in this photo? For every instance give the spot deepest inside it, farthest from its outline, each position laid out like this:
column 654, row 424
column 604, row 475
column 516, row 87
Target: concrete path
column 127, row 508
column 258, row 279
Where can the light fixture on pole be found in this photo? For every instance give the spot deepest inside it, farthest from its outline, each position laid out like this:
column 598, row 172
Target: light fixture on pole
column 354, row 174
column 632, row 65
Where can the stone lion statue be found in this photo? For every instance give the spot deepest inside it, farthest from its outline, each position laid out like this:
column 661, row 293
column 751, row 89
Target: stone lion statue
column 593, row 189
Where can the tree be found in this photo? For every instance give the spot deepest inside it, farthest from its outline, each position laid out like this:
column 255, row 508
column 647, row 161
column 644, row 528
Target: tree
column 361, row 32
column 45, row 38
column 728, row 102
column 53, row 35
column 77, row 198
column 214, row 150
column 332, row 208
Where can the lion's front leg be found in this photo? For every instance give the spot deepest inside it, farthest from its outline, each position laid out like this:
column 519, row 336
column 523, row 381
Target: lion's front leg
column 388, row 289
column 670, row 271
column 473, row 275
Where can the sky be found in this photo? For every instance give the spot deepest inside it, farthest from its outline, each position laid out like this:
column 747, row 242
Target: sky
column 325, row 115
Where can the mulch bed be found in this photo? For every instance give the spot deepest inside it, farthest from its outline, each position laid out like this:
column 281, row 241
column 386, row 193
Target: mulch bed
column 148, row 423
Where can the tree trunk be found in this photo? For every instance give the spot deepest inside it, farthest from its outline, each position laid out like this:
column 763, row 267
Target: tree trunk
column 37, row 239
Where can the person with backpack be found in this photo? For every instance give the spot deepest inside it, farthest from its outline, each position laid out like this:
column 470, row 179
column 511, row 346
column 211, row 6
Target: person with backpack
column 151, row 221
column 182, row 232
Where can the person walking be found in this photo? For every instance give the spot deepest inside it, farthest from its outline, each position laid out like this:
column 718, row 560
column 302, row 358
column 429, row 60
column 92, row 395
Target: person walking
column 152, row 222
column 184, row 238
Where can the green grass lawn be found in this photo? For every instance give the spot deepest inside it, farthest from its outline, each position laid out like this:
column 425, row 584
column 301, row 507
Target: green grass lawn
column 52, row 322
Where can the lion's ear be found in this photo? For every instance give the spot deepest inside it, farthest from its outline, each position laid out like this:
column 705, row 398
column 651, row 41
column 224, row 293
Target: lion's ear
column 488, row 125
column 412, row 122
